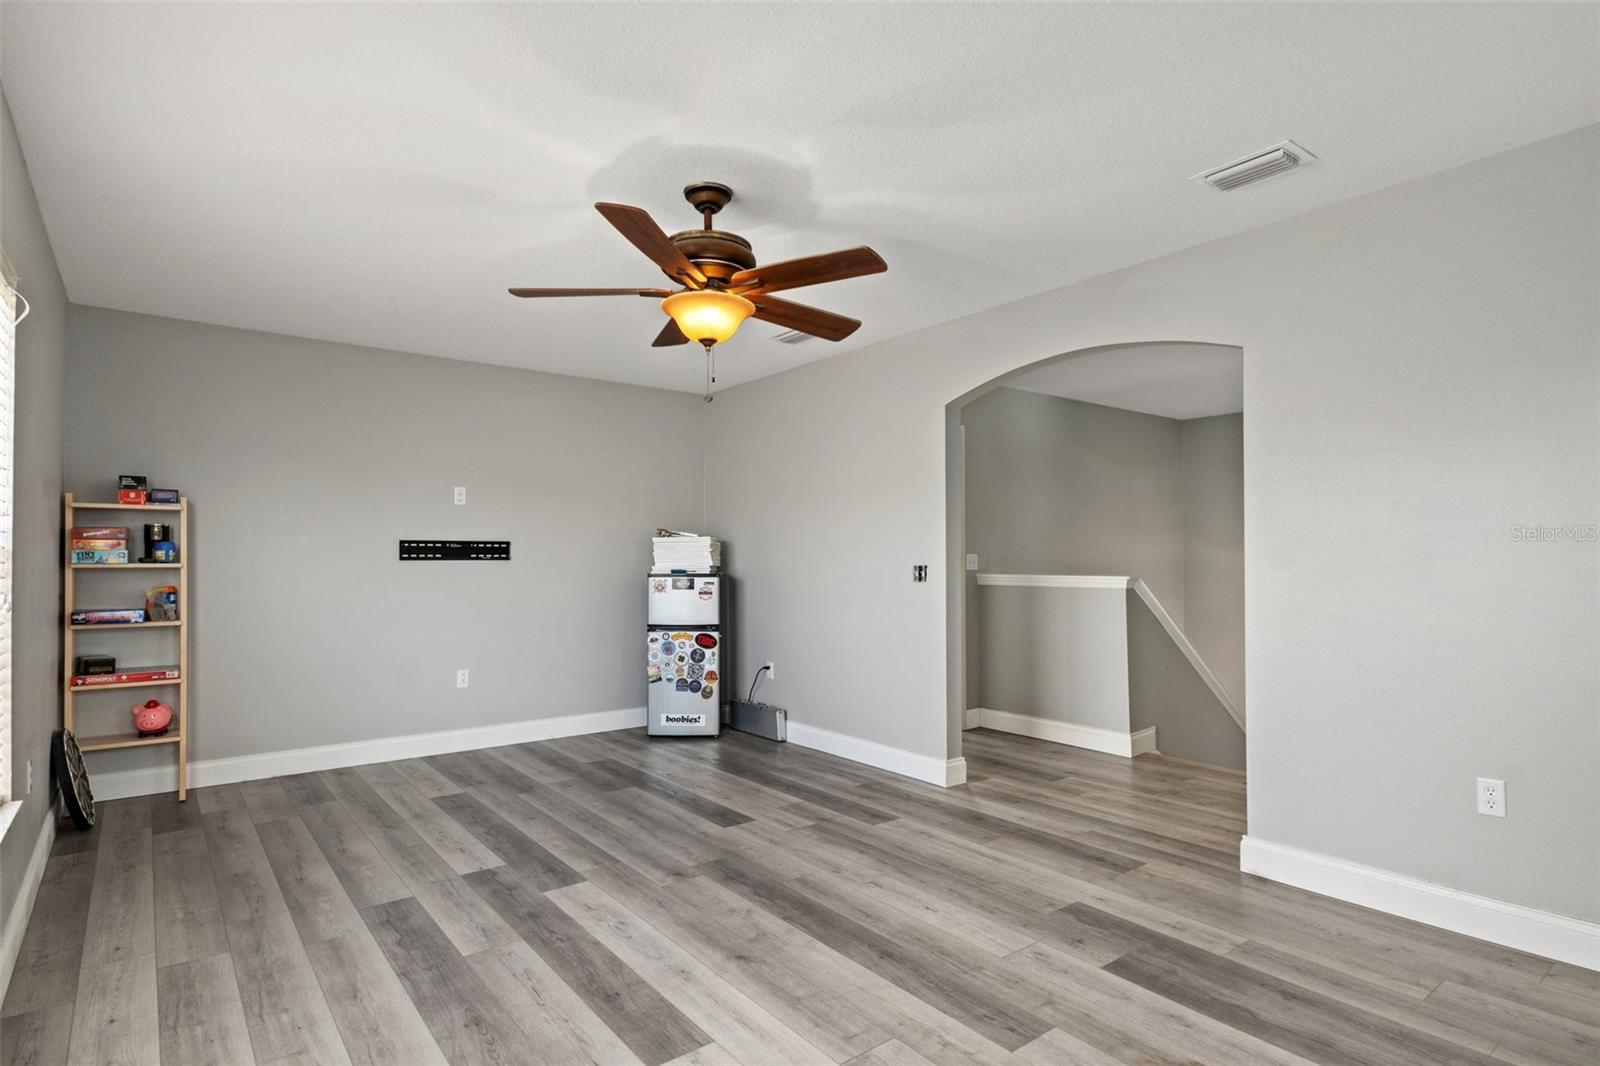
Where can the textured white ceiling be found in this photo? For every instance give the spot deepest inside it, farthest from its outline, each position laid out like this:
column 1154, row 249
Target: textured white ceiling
column 1171, row 380
column 380, row 174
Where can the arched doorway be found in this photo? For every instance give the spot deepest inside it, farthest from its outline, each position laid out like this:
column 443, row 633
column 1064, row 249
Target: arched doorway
column 1103, row 489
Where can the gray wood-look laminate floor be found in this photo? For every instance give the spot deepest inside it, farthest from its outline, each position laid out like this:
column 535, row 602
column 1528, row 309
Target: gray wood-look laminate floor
column 618, row 900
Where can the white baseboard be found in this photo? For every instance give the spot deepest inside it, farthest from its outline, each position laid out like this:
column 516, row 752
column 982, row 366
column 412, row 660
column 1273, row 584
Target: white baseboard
column 974, row 718
column 358, row 753
column 333, row 756
column 1079, row 736
column 943, row 772
column 1553, row 936
column 22, row 907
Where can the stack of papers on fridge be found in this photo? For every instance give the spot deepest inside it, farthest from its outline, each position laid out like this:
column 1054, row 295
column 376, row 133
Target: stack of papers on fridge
column 688, row 552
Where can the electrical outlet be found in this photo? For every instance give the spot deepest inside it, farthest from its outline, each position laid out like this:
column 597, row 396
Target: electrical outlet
column 461, row 679
column 1491, row 797
column 972, row 561
column 461, row 495
column 771, row 671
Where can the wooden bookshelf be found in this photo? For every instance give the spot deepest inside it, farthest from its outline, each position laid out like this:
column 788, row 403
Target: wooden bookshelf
column 99, row 627
column 127, row 740
column 176, row 682
column 126, row 566
column 84, row 505
column 178, row 734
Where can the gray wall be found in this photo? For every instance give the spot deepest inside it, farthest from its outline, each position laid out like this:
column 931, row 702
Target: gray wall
column 306, row 461
column 1056, row 653
column 36, row 588
column 1211, row 452
column 1420, row 372
column 1057, row 486
column 1166, row 692
column 1100, row 658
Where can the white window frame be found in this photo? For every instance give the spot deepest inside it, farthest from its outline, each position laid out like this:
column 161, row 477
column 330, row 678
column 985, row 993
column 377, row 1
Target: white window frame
column 8, row 391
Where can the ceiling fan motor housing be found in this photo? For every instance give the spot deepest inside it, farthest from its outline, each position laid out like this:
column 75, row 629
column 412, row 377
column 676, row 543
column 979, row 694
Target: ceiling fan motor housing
column 718, row 253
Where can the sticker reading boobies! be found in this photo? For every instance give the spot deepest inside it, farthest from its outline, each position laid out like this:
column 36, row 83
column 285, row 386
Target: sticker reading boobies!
column 683, row 719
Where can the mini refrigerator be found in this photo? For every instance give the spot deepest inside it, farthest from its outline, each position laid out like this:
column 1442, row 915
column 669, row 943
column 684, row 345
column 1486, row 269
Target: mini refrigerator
column 684, row 654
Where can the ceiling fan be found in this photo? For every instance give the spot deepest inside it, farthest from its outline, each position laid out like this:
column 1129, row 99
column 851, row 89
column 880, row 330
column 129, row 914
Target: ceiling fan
column 721, row 283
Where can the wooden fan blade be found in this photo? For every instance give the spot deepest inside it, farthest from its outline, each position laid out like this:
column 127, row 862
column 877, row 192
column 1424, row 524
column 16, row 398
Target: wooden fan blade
column 824, row 324
column 670, row 334
column 658, row 293
column 642, row 232
column 812, row 270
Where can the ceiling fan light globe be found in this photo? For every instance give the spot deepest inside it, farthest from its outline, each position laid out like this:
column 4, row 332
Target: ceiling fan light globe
column 709, row 316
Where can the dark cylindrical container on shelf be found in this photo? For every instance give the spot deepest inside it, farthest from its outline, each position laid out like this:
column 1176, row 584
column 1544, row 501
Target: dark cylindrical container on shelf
column 158, row 533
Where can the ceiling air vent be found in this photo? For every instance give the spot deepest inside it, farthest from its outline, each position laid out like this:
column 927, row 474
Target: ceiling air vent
column 1285, row 155
column 793, row 336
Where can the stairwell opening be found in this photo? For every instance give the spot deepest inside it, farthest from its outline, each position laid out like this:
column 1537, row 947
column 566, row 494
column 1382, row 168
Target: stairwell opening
column 1096, row 525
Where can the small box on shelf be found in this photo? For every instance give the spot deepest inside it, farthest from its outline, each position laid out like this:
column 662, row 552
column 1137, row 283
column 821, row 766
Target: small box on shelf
column 94, row 664
column 92, row 557
column 161, row 603
column 100, row 538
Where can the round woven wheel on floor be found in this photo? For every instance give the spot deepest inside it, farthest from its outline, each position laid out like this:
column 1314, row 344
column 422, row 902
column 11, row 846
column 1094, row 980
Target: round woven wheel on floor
column 73, row 777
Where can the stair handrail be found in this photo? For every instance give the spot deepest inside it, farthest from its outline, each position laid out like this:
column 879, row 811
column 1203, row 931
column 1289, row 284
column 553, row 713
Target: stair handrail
column 1189, row 651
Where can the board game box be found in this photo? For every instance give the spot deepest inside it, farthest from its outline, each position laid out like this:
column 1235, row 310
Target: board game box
column 123, row 677
column 99, row 558
column 107, row 616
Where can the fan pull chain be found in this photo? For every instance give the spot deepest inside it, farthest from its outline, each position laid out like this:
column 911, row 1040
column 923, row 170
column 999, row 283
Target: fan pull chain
column 711, row 370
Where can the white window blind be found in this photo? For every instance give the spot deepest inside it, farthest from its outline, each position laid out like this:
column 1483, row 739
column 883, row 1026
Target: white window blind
column 8, row 376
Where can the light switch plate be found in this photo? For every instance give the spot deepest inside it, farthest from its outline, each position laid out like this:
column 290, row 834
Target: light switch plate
column 972, row 561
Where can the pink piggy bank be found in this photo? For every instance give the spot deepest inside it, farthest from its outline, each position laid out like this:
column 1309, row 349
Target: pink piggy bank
column 151, row 718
